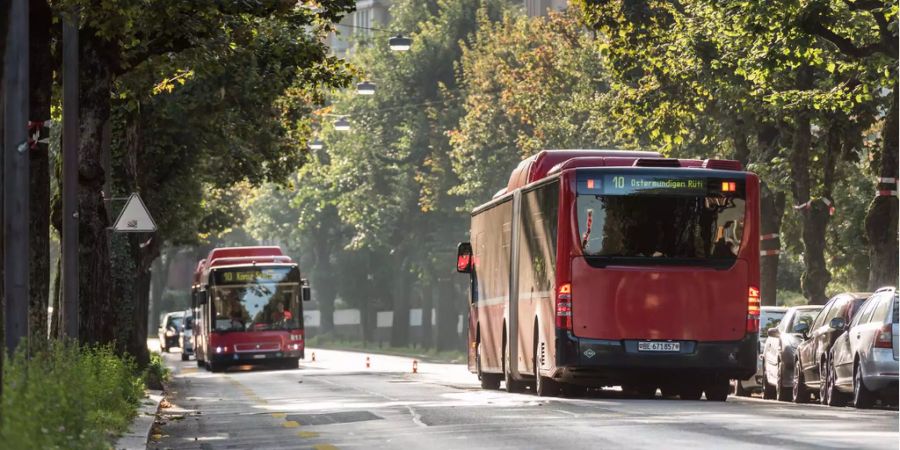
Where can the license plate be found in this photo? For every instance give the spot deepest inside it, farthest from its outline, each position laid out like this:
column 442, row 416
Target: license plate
column 659, row 346
column 259, row 356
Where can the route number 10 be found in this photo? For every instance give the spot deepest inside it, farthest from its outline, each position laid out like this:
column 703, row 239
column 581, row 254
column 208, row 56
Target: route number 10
column 619, row 182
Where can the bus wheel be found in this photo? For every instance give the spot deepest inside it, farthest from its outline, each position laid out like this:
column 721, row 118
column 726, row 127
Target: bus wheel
column 512, row 385
column 215, row 367
column 290, row 364
column 488, row 380
column 543, row 386
column 717, row 391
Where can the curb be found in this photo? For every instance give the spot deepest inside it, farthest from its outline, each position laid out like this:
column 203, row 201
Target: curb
column 139, row 432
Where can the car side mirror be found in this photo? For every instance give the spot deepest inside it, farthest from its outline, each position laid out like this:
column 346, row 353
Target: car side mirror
column 773, row 332
column 305, row 290
column 837, row 323
column 802, row 329
column 464, row 257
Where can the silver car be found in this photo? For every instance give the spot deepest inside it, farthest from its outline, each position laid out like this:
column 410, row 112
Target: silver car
column 863, row 363
column 186, row 338
column 769, row 317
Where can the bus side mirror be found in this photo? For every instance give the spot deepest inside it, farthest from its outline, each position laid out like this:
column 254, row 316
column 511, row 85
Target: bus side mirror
column 305, row 290
column 464, row 257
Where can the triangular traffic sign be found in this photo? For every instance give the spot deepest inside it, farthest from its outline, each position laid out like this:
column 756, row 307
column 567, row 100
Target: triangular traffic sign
column 134, row 217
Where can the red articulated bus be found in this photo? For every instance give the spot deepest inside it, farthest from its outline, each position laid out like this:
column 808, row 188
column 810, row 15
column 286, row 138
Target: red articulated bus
column 598, row 268
column 247, row 304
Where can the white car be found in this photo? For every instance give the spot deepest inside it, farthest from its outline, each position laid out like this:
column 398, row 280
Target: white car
column 769, row 317
column 186, row 339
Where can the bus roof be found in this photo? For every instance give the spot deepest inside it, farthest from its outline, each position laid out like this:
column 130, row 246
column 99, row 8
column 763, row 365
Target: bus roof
column 539, row 165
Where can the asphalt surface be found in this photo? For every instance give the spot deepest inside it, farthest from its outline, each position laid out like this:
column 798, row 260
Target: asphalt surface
column 336, row 402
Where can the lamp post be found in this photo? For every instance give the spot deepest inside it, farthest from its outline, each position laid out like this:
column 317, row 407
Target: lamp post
column 365, row 88
column 399, row 43
column 342, row 124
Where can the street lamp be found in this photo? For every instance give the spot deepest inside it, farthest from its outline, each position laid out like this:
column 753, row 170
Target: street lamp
column 316, row 144
column 342, row 124
column 399, row 43
column 365, row 88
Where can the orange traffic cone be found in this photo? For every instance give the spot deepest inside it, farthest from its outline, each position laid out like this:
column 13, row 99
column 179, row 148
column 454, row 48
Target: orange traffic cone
column 368, row 363
column 313, row 356
column 415, row 366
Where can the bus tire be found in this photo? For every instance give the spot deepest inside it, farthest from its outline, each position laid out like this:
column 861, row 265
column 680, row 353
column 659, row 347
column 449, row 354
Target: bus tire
column 543, row 386
column 215, row 367
column 290, row 364
column 512, row 385
column 490, row 381
column 717, row 391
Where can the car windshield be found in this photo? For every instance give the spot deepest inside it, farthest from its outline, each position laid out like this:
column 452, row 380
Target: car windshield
column 806, row 316
column 769, row 319
column 175, row 322
column 258, row 307
column 644, row 219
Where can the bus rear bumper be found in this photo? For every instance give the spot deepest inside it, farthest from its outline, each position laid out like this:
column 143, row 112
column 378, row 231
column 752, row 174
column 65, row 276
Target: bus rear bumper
column 612, row 362
column 254, row 358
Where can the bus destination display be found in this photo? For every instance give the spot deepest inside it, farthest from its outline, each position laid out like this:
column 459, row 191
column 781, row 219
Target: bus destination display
column 256, row 275
column 619, row 184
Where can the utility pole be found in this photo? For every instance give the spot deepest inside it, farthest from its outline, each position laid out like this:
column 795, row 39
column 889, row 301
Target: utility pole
column 69, row 301
column 16, row 190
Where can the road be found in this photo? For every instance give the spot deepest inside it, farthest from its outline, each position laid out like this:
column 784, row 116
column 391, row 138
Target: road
column 336, row 402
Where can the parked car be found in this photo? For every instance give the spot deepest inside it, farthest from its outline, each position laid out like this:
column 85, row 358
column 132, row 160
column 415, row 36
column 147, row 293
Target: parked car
column 169, row 330
column 812, row 353
column 769, row 317
column 186, row 338
column 779, row 352
column 863, row 361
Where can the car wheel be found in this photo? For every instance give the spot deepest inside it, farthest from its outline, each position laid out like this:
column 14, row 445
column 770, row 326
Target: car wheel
column 831, row 396
column 185, row 357
column 199, row 363
column 717, row 391
column 781, row 393
column 543, row 386
column 862, row 396
column 768, row 390
column 489, row 381
column 800, row 391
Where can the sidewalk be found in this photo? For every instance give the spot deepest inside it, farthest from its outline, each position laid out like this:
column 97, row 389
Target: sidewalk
column 138, row 433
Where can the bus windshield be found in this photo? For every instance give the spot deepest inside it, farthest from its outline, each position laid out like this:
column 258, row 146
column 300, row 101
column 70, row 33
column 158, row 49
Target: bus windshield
column 653, row 219
column 256, row 300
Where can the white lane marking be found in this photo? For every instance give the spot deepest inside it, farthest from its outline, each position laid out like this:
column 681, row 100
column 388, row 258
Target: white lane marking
column 416, row 417
column 566, row 412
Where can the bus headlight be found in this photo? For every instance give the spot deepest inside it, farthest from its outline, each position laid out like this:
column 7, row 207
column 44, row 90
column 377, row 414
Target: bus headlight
column 218, row 349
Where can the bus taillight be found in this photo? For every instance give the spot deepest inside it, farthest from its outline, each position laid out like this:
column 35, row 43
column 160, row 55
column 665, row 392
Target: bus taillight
column 564, row 307
column 753, row 310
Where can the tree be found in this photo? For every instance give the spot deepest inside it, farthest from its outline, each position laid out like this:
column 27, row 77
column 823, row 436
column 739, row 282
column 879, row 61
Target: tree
column 124, row 45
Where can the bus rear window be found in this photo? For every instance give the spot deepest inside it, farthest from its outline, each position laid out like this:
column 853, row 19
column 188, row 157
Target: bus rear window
column 651, row 219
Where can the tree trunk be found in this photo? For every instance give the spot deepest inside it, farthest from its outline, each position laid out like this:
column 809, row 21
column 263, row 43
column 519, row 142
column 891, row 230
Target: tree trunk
column 447, row 317
column 97, row 316
column 145, row 252
column 40, row 84
column 400, row 304
column 882, row 216
column 427, row 308
column 323, row 281
column 813, row 214
column 771, row 207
